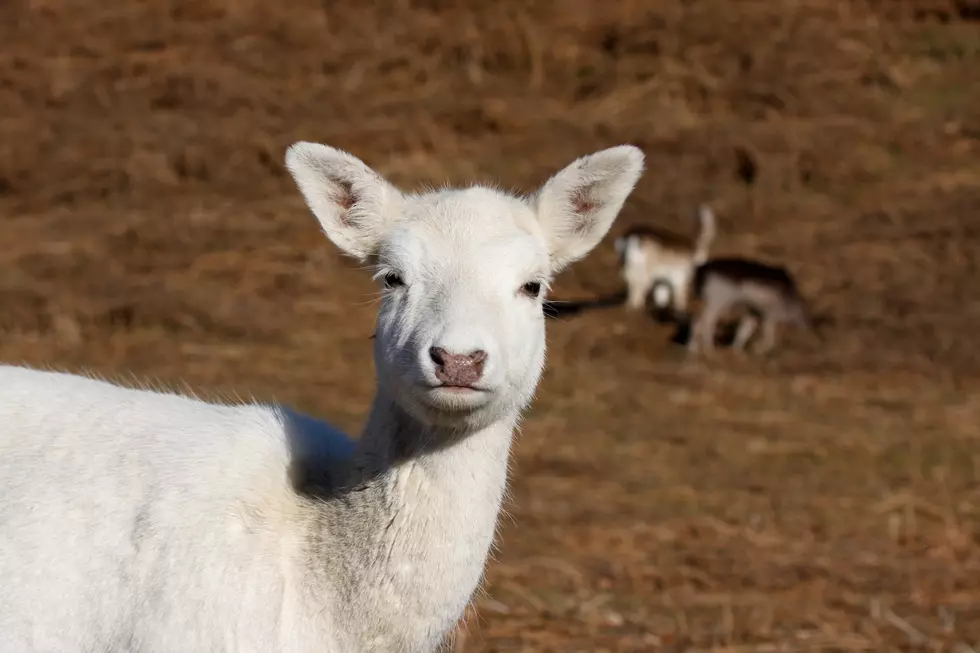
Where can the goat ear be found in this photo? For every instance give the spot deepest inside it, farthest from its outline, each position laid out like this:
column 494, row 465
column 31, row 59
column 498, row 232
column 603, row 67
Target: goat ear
column 577, row 206
column 353, row 203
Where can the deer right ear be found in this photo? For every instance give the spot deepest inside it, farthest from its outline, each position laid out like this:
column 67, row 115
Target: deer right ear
column 577, row 206
column 353, row 203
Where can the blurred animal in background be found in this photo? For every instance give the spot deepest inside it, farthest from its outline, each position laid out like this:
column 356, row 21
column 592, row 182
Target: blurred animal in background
column 662, row 301
column 736, row 301
column 767, row 297
column 655, row 261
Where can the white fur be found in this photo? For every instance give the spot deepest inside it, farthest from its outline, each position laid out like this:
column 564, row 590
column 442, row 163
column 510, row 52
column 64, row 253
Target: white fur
column 140, row 521
column 662, row 295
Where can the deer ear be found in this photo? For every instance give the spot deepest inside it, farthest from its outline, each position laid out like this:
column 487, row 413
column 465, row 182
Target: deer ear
column 578, row 205
column 353, row 203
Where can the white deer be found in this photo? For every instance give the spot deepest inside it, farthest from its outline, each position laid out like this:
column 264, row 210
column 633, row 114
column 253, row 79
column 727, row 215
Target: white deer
column 145, row 522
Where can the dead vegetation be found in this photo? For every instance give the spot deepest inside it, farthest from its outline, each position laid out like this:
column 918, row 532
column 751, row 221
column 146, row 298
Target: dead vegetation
column 824, row 498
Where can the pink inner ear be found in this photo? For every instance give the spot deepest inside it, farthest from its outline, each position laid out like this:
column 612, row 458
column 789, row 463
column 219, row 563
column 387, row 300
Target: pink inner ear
column 344, row 195
column 584, row 206
column 582, row 201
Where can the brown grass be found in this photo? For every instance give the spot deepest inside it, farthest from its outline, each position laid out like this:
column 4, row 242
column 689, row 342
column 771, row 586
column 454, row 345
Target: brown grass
column 822, row 498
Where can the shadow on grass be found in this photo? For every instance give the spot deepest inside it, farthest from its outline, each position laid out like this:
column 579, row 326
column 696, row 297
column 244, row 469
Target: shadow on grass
column 559, row 308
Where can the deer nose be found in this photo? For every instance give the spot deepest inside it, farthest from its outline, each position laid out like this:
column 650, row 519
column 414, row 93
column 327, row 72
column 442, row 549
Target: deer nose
column 458, row 369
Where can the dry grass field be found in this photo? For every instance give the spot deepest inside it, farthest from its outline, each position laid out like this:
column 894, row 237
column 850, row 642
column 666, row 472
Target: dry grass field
column 824, row 497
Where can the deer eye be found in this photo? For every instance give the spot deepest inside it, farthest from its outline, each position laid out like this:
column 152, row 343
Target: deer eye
column 392, row 280
column 531, row 289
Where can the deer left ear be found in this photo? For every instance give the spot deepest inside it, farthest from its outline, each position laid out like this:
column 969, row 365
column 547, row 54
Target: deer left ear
column 353, row 203
column 578, row 205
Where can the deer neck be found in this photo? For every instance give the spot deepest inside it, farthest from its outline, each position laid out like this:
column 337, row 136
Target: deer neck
column 417, row 521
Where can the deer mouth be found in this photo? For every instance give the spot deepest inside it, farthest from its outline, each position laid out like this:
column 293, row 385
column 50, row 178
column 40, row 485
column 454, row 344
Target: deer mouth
column 457, row 388
column 453, row 398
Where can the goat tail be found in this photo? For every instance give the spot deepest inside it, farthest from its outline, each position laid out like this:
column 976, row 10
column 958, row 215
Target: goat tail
column 706, row 232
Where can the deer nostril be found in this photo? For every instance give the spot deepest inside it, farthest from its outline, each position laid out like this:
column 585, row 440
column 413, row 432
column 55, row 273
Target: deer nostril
column 477, row 360
column 438, row 355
